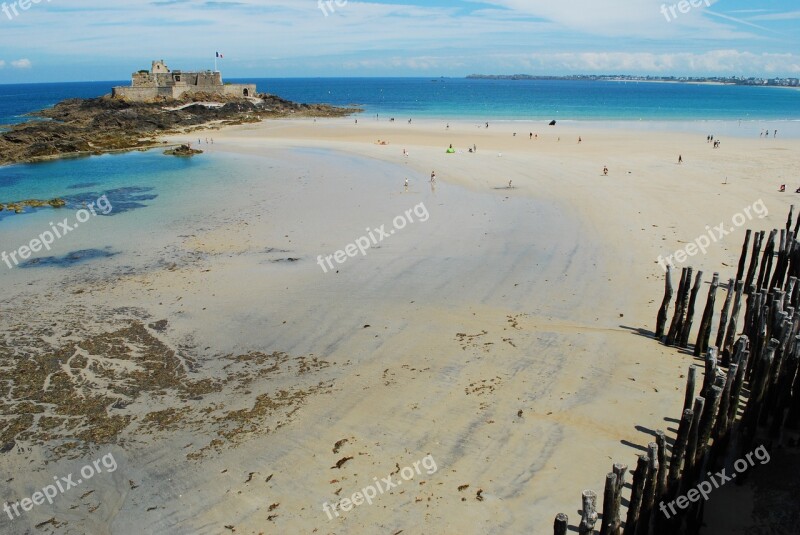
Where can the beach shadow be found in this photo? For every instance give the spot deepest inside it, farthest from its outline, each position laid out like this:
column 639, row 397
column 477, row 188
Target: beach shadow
column 85, row 185
column 69, row 259
column 639, row 331
column 121, row 199
column 634, row 446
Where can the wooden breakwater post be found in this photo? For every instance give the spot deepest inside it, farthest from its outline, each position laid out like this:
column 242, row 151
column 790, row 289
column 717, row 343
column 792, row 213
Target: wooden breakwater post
column 589, row 512
column 762, row 304
column 560, row 524
column 663, row 311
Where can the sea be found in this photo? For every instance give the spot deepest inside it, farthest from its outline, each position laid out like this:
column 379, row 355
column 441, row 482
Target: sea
column 463, row 98
column 140, row 182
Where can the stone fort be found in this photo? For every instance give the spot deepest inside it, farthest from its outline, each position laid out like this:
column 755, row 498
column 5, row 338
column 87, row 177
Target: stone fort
column 162, row 82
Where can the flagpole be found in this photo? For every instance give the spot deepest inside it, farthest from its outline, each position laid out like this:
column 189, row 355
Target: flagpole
column 215, row 62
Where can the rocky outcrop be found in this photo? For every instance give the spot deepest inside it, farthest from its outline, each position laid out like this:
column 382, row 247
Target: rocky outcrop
column 182, row 150
column 19, row 206
column 94, row 126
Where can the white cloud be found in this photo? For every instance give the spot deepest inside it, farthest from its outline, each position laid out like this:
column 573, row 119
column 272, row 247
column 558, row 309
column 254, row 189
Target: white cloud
column 791, row 15
column 21, row 63
column 295, row 38
column 2, row 63
column 715, row 62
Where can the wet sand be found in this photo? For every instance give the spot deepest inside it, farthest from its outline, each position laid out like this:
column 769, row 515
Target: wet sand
column 507, row 336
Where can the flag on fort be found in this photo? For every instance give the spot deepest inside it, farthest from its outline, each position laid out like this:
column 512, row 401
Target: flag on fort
column 220, row 55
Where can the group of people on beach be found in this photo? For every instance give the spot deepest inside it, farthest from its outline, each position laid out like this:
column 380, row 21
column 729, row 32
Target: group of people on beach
column 765, row 133
column 782, row 189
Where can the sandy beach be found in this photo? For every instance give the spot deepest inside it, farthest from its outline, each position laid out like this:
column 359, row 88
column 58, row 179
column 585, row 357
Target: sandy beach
column 503, row 331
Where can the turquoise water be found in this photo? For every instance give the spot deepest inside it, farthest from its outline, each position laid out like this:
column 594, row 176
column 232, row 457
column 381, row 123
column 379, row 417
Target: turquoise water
column 136, row 180
column 130, row 180
column 483, row 99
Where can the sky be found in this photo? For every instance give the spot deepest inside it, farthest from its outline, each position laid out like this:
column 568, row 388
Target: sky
column 77, row 40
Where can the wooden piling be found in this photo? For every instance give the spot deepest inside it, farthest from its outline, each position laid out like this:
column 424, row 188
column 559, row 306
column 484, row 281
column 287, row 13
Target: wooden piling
column 707, row 421
column 637, row 492
column 731, row 330
column 648, row 497
column 723, row 318
column 710, row 371
column 743, row 256
column 621, row 470
column 687, row 324
column 751, row 270
column 589, row 512
column 679, row 451
column 661, row 484
column 560, row 524
column 661, row 320
column 692, row 446
column 704, row 333
column 609, row 492
column 680, row 308
column 690, row 385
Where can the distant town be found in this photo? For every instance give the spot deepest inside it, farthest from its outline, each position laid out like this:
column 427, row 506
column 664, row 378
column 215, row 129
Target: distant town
column 732, row 80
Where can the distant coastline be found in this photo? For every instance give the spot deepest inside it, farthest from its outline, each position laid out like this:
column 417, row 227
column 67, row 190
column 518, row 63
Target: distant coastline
column 715, row 80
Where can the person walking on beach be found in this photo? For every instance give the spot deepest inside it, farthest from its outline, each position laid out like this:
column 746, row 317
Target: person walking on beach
column 433, row 176
column 531, row 136
column 605, row 170
column 680, row 159
column 579, row 139
column 406, row 184
column 475, row 148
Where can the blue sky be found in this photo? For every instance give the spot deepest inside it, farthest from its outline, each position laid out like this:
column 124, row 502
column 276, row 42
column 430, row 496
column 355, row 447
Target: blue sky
column 70, row 40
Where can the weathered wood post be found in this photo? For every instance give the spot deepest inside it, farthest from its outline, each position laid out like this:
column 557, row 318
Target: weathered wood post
column 649, row 495
column 687, row 324
column 560, row 525
column 766, row 261
column 589, row 513
column 690, row 385
column 661, row 320
column 622, row 471
column 738, row 385
column 704, row 333
column 679, row 451
column 731, row 333
column 707, row 420
column 711, row 370
column 743, row 257
column 608, row 504
column 680, row 308
column 637, row 492
column 723, row 318
column 751, row 270
column 661, row 442
column 723, row 423
column 687, row 480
